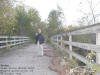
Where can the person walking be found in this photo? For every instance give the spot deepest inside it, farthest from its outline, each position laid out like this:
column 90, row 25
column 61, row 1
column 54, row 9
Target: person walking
column 40, row 41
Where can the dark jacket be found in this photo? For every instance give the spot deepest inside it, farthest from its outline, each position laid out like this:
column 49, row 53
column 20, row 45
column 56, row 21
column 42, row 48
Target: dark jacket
column 36, row 39
column 40, row 38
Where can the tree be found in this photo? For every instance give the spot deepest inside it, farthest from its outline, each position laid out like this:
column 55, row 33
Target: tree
column 55, row 21
column 27, row 21
column 34, row 15
column 22, row 20
column 90, row 17
column 6, row 17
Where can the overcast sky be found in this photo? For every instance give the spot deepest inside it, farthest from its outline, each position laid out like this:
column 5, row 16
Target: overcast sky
column 71, row 8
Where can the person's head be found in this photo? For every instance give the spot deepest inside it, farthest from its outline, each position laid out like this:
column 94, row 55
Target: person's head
column 39, row 30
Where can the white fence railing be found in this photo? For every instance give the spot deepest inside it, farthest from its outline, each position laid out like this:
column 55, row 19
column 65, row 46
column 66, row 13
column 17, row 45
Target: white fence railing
column 56, row 39
column 6, row 41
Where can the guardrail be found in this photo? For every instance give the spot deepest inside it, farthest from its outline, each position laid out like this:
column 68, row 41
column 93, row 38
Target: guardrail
column 10, row 41
column 56, row 39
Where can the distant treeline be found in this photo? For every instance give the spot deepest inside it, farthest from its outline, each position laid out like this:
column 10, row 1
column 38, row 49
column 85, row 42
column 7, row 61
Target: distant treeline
column 24, row 21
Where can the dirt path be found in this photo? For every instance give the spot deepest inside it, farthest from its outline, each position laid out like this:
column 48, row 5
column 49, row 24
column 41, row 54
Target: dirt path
column 27, row 60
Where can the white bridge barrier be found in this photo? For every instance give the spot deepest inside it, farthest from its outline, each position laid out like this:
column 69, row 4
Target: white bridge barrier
column 6, row 41
column 92, row 29
column 95, row 29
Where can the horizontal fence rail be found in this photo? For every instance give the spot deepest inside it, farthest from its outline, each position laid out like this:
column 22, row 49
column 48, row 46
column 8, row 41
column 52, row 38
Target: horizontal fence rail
column 92, row 29
column 78, row 56
column 87, row 30
column 9, row 41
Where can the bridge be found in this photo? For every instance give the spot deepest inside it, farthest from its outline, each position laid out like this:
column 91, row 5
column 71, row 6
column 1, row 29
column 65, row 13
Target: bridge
column 26, row 58
column 28, row 55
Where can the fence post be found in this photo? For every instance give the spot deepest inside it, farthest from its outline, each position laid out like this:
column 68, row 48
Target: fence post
column 61, row 38
column 57, row 41
column 22, row 40
column 98, row 43
column 70, row 46
column 98, row 54
column 14, row 41
column 6, row 40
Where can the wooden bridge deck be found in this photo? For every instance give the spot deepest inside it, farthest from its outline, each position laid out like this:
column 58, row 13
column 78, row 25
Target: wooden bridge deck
column 27, row 60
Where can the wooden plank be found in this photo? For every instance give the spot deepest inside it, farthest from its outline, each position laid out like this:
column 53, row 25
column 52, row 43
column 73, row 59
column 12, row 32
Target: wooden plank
column 13, row 40
column 90, row 47
column 78, row 56
column 70, row 46
column 86, row 46
column 98, row 43
column 3, row 36
column 87, row 30
column 11, row 45
column 13, row 37
column 19, row 37
column 95, row 28
column 10, row 41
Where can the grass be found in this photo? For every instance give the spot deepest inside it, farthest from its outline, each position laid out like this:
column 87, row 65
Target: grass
column 96, row 68
column 64, row 55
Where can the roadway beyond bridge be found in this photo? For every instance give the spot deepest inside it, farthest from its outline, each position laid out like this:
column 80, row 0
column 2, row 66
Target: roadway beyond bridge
column 25, row 61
